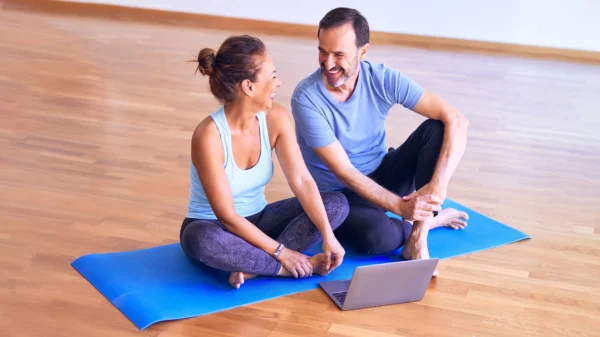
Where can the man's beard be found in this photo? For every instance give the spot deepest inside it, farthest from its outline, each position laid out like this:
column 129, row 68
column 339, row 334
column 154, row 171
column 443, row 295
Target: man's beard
column 343, row 75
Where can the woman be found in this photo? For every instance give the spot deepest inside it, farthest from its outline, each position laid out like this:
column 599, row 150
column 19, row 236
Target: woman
column 229, row 225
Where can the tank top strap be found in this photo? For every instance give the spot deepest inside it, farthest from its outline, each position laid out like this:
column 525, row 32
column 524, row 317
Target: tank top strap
column 264, row 132
column 221, row 122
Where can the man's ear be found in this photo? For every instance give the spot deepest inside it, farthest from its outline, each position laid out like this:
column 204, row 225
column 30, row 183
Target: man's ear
column 362, row 51
column 247, row 88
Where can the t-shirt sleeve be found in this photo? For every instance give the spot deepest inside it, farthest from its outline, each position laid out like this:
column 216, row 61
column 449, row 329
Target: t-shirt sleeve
column 312, row 125
column 401, row 89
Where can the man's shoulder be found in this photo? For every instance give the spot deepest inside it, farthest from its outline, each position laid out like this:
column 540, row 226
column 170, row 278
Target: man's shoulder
column 375, row 70
column 391, row 85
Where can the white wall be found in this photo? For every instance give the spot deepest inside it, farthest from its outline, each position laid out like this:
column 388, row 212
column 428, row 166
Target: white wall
column 570, row 24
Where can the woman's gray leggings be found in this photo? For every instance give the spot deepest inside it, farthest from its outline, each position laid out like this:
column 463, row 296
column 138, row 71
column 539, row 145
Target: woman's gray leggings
column 209, row 243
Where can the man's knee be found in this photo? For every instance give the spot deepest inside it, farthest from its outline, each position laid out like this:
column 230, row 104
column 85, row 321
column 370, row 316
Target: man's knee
column 379, row 243
column 433, row 128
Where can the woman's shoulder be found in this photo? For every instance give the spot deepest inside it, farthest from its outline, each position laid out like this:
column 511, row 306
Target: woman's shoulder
column 206, row 126
column 277, row 115
column 206, row 133
column 279, row 123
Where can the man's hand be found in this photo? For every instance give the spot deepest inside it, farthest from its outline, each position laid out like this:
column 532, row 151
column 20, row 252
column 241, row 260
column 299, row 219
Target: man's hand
column 417, row 207
column 333, row 250
column 296, row 263
column 431, row 188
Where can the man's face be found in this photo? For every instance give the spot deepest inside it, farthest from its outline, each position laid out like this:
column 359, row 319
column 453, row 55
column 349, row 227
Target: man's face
column 338, row 54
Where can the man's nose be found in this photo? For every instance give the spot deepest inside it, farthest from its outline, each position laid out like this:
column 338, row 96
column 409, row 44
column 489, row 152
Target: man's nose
column 329, row 62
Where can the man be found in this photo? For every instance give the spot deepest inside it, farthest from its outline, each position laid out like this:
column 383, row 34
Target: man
column 340, row 112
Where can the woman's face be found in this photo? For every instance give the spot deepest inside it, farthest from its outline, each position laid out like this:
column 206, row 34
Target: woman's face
column 266, row 85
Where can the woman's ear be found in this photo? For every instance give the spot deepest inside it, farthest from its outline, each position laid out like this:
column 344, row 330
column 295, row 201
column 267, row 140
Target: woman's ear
column 248, row 88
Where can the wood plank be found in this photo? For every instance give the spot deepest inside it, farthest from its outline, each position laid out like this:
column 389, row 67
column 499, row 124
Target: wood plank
column 96, row 118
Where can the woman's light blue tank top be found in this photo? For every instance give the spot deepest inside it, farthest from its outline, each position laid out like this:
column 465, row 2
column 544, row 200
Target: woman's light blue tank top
column 247, row 186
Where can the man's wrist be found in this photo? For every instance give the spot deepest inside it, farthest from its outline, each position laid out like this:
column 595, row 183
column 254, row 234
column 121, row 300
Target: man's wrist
column 400, row 207
column 439, row 182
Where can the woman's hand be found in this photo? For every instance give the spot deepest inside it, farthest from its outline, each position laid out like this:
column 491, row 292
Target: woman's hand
column 296, row 263
column 334, row 253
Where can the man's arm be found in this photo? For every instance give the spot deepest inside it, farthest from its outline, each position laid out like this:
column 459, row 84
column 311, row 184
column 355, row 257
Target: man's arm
column 318, row 135
column 336, row 159
column 455, row 136
column 400, row 89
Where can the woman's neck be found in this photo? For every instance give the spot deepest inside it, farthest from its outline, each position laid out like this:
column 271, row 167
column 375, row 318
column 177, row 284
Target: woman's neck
column 240, row 115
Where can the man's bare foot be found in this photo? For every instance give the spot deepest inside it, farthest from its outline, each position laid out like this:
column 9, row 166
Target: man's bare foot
column 449, row 217
column 236, row 279
column 416, row 249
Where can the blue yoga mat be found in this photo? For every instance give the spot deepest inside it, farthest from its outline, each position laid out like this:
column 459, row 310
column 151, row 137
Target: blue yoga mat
column 161, row 283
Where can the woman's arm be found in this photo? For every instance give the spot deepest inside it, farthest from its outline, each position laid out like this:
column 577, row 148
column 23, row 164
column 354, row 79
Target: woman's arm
column 300, row 181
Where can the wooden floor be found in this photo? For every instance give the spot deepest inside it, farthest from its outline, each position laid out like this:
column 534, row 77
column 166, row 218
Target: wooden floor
column 95, row 123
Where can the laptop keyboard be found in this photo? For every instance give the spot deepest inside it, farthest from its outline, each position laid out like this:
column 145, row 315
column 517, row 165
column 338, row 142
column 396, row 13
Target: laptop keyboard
column 341, row 296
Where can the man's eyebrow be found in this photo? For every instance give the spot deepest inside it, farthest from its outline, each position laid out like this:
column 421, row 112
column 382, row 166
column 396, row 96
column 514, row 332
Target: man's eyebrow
column 334, row 52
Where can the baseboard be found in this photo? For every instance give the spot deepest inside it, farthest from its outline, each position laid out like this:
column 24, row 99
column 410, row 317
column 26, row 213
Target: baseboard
column 120, row 13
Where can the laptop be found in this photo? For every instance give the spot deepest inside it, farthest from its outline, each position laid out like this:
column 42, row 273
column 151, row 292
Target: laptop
column 382, row 284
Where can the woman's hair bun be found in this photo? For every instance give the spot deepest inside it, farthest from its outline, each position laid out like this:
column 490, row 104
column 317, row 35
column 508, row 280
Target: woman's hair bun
column 206, row 61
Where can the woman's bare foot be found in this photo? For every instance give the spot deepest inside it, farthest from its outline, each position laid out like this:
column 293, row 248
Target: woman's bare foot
column 449, row 217
column 317, row 262
column 237, row 278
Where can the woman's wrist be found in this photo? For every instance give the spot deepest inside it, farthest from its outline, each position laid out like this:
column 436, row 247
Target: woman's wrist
column 327, row 232
column 277, row 253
